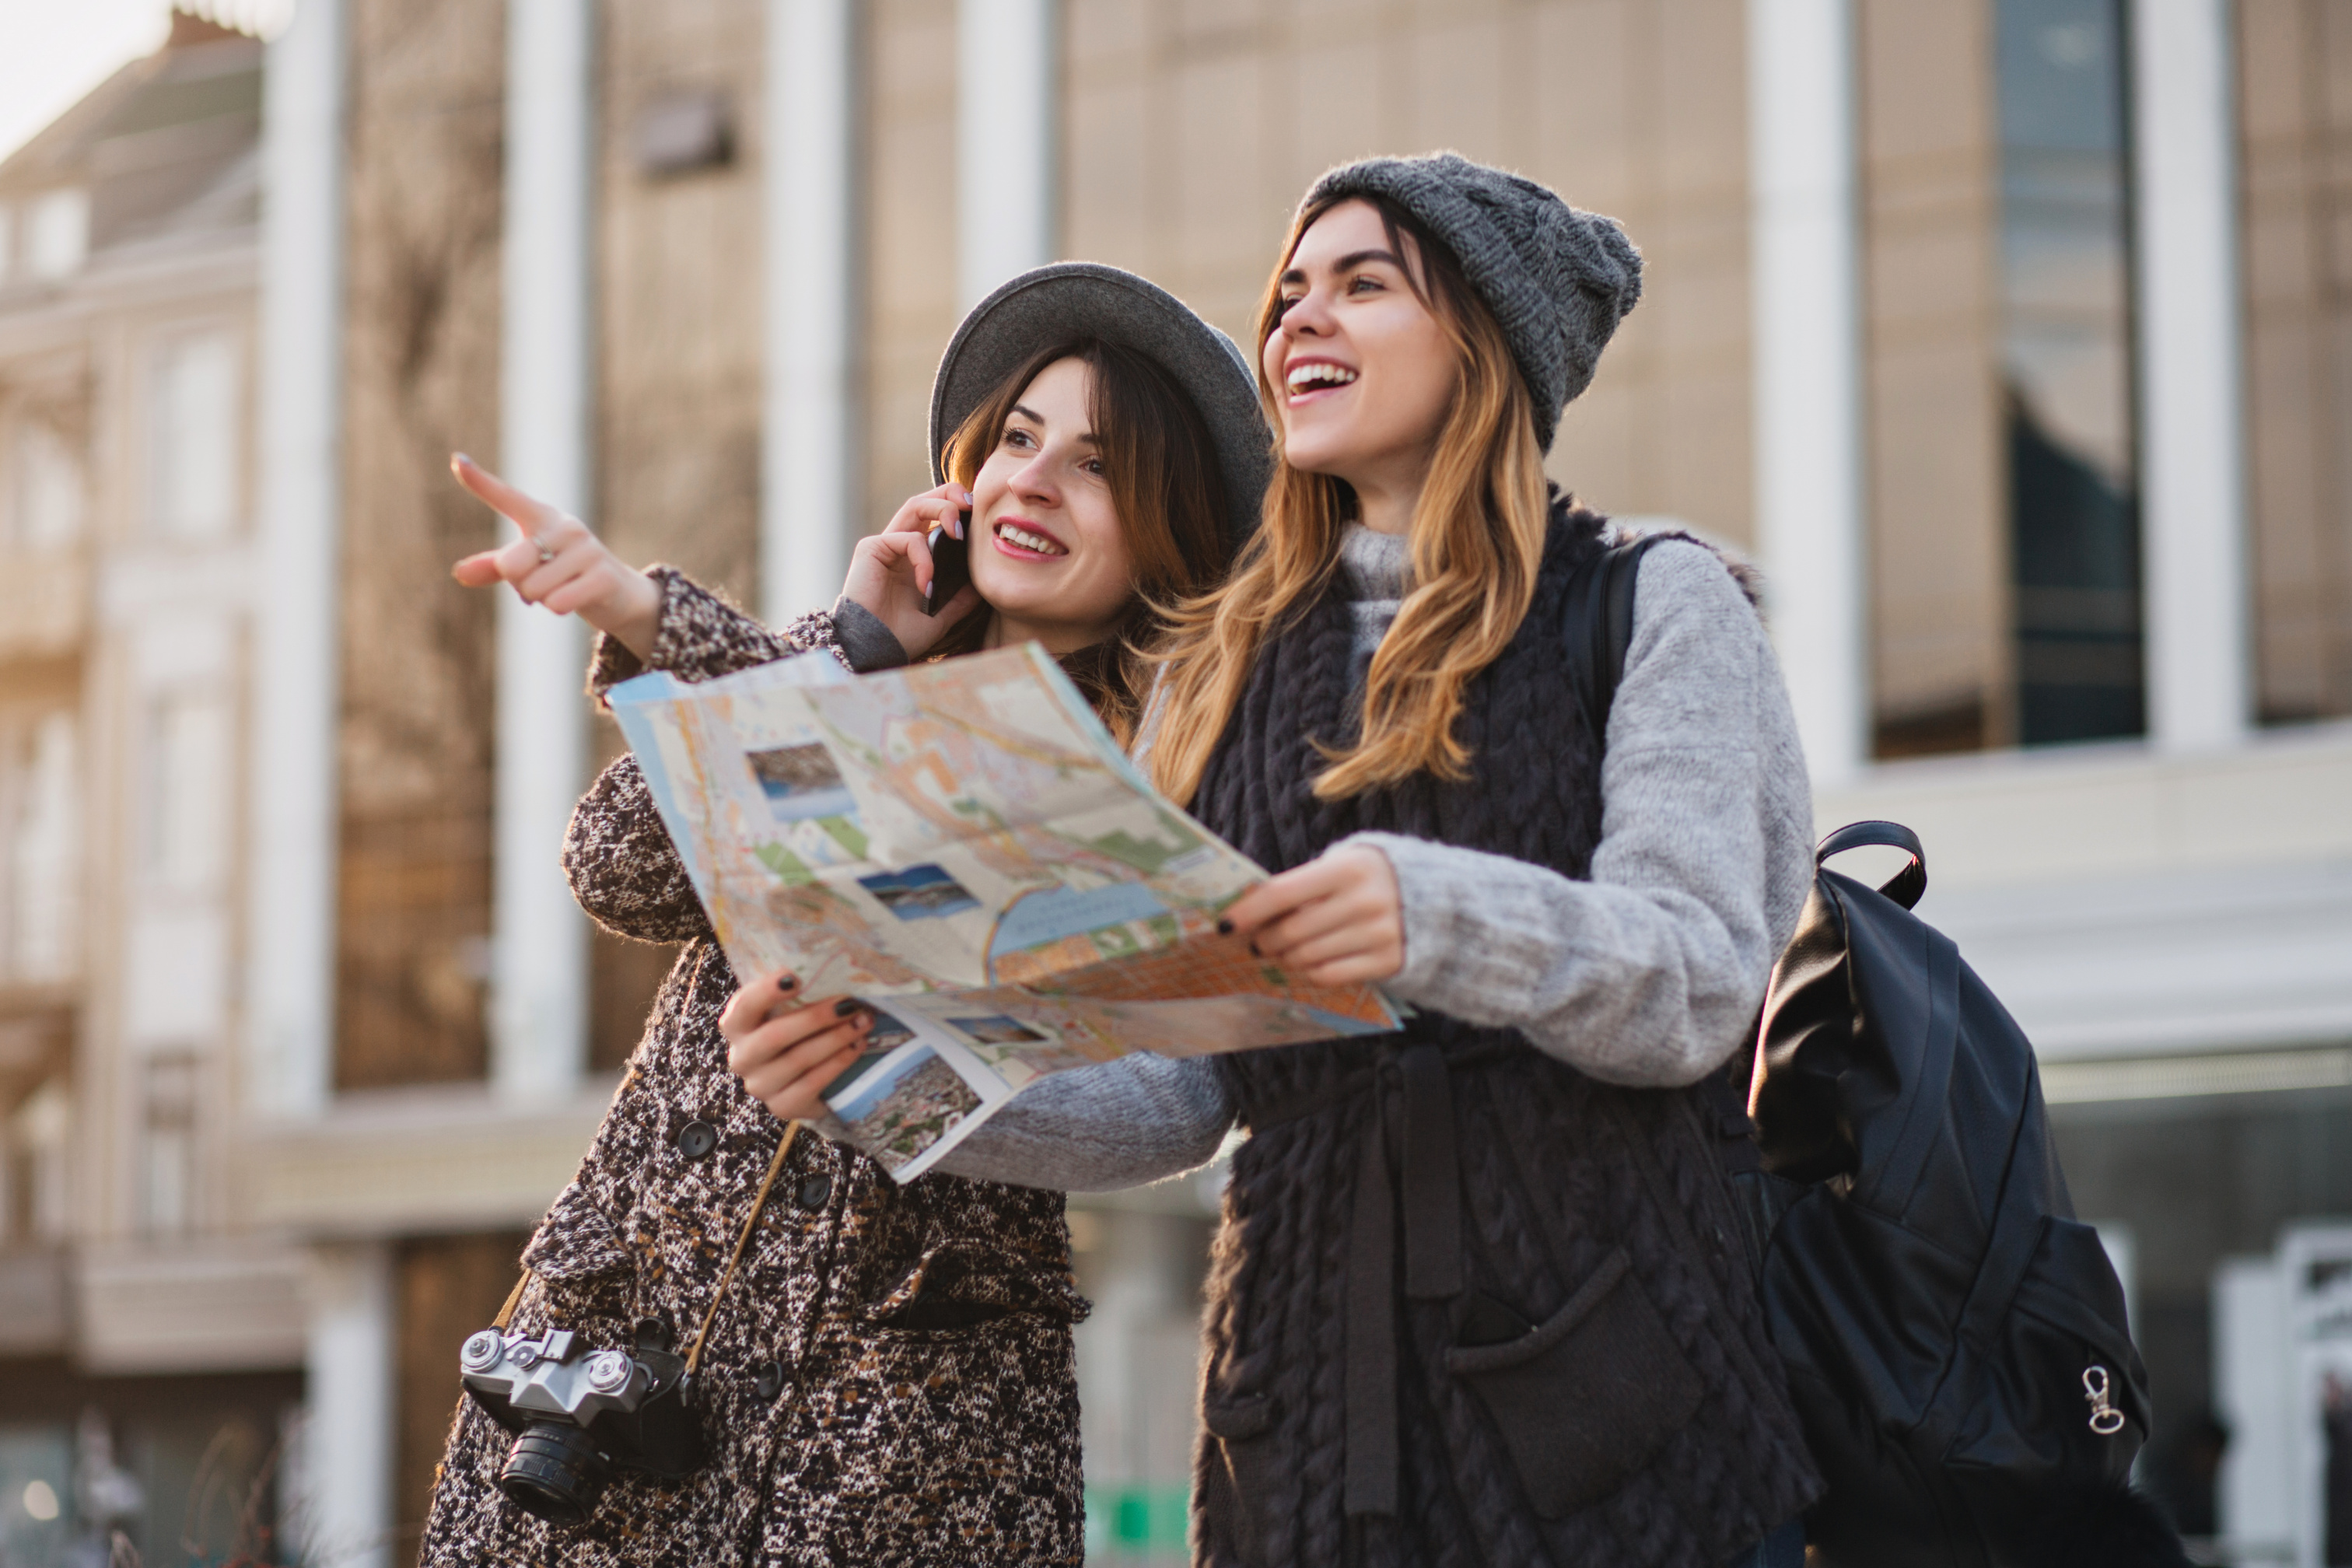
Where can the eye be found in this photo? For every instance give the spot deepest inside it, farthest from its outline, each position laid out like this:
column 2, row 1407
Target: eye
column 1019, row 437
column 1282, row 307
column 1093, row 466
column 1364, row 283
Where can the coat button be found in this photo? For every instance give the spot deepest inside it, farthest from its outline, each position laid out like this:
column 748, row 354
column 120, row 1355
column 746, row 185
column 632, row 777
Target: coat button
column 815, row 1190
column 767, row 1380
column 696, row 1138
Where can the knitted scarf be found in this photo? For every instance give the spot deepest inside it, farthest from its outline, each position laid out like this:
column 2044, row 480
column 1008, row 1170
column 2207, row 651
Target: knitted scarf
column 1468, row 1306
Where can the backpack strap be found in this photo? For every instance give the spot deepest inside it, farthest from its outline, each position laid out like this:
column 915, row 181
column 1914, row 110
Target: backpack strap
column 1598, row 625
column 1906, row 887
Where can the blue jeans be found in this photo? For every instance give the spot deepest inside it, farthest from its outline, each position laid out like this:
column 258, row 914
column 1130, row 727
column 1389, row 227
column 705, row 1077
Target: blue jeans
column 1784, row 1548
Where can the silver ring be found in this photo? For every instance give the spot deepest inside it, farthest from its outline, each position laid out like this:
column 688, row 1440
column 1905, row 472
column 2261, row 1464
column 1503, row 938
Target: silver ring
column 545, row 554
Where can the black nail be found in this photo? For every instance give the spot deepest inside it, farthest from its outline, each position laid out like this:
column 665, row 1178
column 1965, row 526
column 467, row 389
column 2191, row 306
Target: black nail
column 845, row 1007
column 1224, row 927
column 789, row 982
column 1254, row 950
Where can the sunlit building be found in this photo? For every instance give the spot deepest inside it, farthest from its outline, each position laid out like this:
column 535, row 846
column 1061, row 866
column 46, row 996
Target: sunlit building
column 2012, row 338
column 150, row 1344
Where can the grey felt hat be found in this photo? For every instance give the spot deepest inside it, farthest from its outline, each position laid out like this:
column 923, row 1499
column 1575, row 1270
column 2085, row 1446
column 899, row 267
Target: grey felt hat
column 1086, row 298
column 1557, row 279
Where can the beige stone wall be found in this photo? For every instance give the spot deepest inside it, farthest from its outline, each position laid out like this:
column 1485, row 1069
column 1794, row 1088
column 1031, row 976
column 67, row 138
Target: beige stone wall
column 1938, row 503
column 678, row 304
column 427, row 85
column 1191, row 129
column 2296, row 109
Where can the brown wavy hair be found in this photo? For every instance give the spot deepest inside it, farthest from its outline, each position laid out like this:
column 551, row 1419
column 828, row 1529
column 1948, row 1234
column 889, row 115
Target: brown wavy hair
column 1162, row 471
column 1478, row 538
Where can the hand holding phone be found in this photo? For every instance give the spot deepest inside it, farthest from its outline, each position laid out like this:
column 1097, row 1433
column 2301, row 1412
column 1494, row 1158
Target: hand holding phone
column 950, row 564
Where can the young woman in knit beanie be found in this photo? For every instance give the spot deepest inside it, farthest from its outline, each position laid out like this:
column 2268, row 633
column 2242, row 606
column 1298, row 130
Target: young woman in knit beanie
column 888, row 1374
column 1478, row 1297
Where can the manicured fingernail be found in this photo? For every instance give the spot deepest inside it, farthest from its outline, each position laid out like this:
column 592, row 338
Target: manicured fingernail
column 789, row 982
column 1224, row 927
column 845, row 1007
column 461, row 459
column 1254, row 950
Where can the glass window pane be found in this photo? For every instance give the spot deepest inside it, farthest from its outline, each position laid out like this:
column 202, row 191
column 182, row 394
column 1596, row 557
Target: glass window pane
column 194, row 430
column 2066, row 366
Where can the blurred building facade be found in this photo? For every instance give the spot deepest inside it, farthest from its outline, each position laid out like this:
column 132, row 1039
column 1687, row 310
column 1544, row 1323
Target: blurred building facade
column 2013, row 337
column 152, row 1344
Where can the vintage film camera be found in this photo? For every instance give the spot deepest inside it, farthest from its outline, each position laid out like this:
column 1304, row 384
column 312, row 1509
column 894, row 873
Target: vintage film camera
column 580, row 1414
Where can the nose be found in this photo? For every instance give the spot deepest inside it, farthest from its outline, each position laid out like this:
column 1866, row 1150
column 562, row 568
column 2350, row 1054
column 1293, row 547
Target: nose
column 1309, row 317
column 1033, row 481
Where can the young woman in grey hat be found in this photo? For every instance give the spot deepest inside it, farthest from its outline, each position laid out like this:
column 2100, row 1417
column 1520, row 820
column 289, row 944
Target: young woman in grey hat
column 1476, row 1298
column 887, row 1376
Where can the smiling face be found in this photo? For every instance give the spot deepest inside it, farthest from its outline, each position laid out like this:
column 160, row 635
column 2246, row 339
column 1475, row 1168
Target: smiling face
column 1047, row 551
column 1363, row 371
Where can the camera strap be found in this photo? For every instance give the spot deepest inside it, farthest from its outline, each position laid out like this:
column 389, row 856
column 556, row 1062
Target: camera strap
column 743, row 1240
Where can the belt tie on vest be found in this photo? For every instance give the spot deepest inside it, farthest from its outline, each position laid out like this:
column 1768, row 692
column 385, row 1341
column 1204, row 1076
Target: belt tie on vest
column 1431, row 1215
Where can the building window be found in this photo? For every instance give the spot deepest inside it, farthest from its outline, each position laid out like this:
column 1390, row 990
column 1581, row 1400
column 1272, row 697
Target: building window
column 40, row 810
column 56, row 233
column 2066, row 366
column 167, row 1195
column 45, row 495
column 187, row 784
column 35, row 1140
column 193, row 427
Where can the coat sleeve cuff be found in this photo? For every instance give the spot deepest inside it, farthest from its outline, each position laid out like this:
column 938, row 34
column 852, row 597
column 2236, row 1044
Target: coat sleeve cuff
column 866, row 642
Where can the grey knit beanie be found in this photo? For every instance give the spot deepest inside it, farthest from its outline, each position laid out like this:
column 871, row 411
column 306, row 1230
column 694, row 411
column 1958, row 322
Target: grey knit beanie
column 1559, row 280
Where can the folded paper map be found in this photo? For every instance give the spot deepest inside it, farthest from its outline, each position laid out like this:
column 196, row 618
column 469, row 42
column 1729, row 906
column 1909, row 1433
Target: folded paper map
column 962, row 846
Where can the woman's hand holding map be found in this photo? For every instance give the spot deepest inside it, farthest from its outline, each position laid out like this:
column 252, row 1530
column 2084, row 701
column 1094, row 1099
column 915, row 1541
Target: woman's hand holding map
column 788, row 1048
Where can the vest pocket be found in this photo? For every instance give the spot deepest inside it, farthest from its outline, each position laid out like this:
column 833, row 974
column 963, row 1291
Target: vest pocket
column 1585, row 1401
column 1243, row 1478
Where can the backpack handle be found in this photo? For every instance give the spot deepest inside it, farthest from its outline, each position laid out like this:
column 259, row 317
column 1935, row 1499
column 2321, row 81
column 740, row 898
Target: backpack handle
column 1906, row 887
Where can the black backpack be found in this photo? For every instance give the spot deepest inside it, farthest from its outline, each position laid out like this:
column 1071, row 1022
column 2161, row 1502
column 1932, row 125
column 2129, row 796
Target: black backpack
column 1955, row 1339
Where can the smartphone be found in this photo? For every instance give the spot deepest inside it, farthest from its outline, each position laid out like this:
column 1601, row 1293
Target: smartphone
column 950, row 565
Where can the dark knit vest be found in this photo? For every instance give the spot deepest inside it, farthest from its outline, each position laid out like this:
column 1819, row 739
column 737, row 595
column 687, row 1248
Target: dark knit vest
column 1469, row 1306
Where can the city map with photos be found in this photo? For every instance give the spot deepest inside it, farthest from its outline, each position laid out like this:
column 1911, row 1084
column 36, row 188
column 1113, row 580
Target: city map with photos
column 963, row 846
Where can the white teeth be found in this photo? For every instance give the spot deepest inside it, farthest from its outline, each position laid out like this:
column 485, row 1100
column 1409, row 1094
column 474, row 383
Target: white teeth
column 1319, row 373
column 1028, row 541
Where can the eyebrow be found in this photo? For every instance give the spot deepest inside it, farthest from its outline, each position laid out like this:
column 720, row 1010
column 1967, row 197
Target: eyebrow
column 1347, row 263
column 1085, row 438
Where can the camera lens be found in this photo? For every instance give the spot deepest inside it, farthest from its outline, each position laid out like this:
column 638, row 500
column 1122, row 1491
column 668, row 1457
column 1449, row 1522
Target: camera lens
column 553, row 1472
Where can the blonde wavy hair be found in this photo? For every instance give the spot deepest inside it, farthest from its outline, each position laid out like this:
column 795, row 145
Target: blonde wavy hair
column 1477, row 540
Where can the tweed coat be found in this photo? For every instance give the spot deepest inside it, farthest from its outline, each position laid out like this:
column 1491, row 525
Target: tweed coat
column 889, row 1379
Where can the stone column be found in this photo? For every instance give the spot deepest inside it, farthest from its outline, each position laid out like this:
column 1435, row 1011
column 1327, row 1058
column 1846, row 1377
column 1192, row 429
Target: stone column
column 1008, row 105
column 1805, row 245
column 548, row 370
column 808, row 486
column 347, row 1459
column 2192, row 463
column 288, row 1067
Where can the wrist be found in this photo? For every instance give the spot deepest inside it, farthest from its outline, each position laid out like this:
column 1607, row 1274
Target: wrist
column 632, row 616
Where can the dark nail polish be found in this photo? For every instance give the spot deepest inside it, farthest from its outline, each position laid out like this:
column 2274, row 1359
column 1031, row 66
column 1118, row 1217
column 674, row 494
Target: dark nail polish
column 845, row 1007
column 1224, row 927
column 1254, row 952
column 789, row 982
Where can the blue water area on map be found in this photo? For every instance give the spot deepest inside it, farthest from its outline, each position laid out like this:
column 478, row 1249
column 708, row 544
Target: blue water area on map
column 800, row 804
column 1038, row 918
column 920, row 893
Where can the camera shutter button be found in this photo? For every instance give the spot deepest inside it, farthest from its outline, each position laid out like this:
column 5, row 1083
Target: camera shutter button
column 696, row 1138
column 608, row 1371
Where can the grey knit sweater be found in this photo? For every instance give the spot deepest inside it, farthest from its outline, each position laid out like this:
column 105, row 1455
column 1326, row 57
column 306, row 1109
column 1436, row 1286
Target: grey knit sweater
column 1648, row 974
